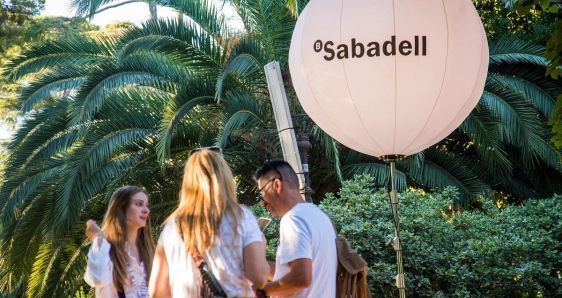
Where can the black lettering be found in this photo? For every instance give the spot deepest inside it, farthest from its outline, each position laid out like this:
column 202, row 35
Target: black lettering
column 392, row 44
column 343, row 51
column 354, row 47
column 328, row 49
column 405, row 48
column 390, row 47
column 374, row 49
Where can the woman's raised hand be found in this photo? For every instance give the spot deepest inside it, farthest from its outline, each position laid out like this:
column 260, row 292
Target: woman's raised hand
column 92, row 229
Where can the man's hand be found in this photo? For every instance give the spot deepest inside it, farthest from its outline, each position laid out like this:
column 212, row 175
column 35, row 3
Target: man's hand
column 298, row 279
column 92, row 229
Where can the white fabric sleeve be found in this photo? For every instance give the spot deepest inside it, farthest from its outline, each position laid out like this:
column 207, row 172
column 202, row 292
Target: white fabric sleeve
column 250, row 230
column 168, row 232
column 99, row 270
column 295, row 239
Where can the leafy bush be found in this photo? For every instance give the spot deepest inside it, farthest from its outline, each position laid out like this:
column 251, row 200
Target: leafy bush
column 515, row 251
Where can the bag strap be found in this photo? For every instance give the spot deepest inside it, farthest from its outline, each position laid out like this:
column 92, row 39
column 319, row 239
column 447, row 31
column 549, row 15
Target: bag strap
column 121, row 294
column 207, row 274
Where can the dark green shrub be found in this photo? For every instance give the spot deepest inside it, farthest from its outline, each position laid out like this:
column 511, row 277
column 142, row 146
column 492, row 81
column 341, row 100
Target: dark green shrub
column 515, row 251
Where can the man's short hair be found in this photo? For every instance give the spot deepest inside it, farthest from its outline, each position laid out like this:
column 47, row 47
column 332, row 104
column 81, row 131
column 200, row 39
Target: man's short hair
column 280, row 168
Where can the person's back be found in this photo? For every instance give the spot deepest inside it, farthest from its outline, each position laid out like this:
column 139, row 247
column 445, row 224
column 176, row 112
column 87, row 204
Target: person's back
column 308, row 222
column 225, row 258
column 208, row 226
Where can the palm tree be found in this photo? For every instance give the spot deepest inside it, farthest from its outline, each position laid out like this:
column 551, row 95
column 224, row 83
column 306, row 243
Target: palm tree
column 104, row 112
column 89, row 8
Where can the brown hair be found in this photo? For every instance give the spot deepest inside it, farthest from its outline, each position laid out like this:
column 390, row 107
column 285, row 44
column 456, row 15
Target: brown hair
column 115, row 231
column 208, row 194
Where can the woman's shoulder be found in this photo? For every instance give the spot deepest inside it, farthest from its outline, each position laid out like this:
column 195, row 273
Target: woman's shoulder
column 170, row 229
column 247, row 213
column 245, row 210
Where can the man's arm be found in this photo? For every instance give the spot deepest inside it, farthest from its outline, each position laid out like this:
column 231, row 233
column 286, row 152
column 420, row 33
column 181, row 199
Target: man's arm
column 256, row 268
column 271, row 270
column 298, row 279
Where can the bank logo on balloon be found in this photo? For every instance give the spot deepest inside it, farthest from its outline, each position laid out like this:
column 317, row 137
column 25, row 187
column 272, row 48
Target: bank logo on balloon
column 358, row 49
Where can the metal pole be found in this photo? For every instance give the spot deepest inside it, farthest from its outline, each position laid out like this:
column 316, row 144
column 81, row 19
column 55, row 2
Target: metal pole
column 396, row 244
column 304, row 146
column 284, row 122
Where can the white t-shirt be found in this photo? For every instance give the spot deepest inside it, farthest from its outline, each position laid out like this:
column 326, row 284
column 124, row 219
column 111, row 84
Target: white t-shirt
column 99, row 272
column 225, row 257
column 307, row 233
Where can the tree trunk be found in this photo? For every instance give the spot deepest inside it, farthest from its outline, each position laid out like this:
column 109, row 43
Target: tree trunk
column 179, row 16
column 153, row 10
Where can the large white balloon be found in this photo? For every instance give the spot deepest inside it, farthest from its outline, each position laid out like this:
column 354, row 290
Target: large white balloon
column 388, row 77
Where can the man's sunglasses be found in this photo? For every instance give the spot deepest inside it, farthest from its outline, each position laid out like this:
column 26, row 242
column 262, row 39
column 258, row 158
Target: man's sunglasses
column 216, row 149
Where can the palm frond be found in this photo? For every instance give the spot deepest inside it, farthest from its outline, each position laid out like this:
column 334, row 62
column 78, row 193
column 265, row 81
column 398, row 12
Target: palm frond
column 18, row 191
column 56, row 83
column 271, row 24
column 523, row 127
column 25, row 234
column 81, row 163
column 511, row 51
column 242, row 115
column 72, row 273
column 295, row 6
column 243, row 67
column 92, row 95
column 519, row 188
column 184, row 41
column 172, row 116
column 37, row 128
column 68, row 52
column 88, row 8
column 484, row 129
column 441, row 169
column 205, row 14
column 42, row 270
column 378, row 170
column 170, row 70
column 535, row 95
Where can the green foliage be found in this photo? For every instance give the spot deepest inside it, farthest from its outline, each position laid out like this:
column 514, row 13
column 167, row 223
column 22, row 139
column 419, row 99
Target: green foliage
column 553, row 52
column 271, row 232
column 499, row 21
column 19, row 10
column 16, row 38
column 556, row 122
column 487, row 252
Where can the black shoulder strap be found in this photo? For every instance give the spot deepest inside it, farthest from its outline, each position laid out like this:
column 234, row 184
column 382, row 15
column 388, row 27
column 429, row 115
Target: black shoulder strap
column 121, row 294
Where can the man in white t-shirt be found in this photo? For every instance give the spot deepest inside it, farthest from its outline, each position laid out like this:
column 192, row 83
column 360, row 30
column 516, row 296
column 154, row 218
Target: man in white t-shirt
column 306, row 260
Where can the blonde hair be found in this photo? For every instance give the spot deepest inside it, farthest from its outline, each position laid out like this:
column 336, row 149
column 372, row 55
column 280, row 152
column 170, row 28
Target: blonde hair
column 115, row 231
column 208, row 194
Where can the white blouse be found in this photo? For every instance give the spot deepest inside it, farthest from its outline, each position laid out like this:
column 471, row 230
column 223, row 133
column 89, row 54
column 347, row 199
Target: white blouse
column 99, row 272
column 225, row 257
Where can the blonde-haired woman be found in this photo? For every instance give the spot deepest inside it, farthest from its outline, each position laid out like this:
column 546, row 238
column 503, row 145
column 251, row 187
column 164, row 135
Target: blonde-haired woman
column 209, row 222
column 120, row 258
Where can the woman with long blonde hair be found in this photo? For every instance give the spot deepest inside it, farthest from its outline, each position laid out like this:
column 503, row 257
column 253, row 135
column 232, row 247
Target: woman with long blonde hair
column 209, row 225
column 120, row 258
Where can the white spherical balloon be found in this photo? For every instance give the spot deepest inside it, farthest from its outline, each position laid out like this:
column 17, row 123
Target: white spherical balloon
column 388, row 77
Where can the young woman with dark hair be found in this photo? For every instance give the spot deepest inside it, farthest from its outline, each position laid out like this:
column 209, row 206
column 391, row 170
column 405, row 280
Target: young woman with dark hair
column 120, row 258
